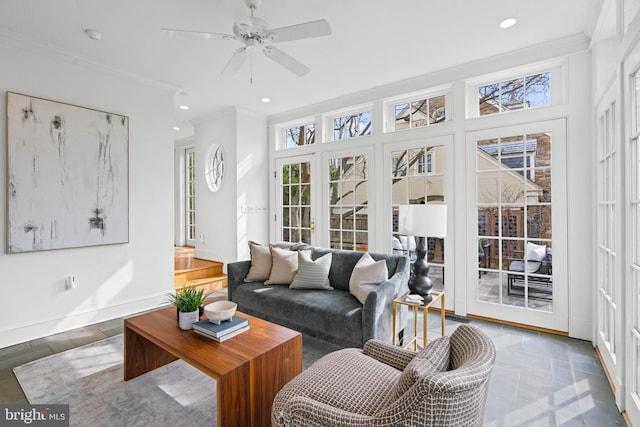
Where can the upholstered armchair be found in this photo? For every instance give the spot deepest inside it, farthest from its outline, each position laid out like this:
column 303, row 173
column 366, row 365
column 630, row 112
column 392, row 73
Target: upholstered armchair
column 444, row 384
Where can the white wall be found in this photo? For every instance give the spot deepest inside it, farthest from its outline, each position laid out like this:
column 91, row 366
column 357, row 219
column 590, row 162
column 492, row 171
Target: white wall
column 113, row 280
column 226, row 230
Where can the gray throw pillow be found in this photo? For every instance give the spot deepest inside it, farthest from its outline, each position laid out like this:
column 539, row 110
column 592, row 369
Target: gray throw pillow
column 312, row 274
column 431, row 359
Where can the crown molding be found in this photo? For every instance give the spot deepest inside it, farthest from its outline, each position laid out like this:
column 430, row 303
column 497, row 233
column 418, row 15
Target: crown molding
column 19, row 41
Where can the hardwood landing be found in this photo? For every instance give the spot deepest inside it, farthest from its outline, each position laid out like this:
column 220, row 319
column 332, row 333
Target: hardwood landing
column 191, row 271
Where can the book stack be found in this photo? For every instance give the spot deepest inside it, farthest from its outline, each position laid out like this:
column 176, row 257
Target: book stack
column 225, row 330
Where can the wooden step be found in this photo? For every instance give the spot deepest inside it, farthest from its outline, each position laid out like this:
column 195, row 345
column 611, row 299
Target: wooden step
column 207, row 283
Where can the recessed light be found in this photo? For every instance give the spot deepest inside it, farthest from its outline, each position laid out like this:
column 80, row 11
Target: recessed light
column 93, row 34
column 176, row 128
column 184, row 107
column 509, row 22
column 265, row 99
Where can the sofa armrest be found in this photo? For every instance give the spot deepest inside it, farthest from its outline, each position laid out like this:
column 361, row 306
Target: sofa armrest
column 236, row 272
column 377, row 312
column 396, row 357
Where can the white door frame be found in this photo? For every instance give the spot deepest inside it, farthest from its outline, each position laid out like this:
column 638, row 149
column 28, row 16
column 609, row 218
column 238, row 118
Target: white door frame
column 315, row 196
column 558, row 319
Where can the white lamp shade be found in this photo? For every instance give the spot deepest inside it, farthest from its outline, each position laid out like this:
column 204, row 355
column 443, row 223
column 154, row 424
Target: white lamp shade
column 423, row 220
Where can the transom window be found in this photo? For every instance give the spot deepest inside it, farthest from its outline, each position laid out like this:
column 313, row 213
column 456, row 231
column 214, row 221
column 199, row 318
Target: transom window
column 420, row 112
column 515, row 94
column 297, row 136
column 351, row 125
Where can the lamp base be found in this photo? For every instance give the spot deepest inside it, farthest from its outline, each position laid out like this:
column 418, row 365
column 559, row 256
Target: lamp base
column 419, row 283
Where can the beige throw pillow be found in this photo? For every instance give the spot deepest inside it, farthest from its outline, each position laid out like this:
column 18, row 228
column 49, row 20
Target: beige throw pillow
column 283, row 268
column 366, row 275
column 260, row 263
column 312, row 274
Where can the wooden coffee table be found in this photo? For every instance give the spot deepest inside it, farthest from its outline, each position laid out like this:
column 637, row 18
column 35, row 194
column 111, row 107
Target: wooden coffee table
column 249, row 368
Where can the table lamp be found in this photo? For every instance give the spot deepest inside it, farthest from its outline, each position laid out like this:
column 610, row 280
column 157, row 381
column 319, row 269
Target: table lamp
column 422, row 221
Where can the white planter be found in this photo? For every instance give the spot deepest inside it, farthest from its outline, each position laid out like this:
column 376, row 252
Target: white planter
column 187, row 319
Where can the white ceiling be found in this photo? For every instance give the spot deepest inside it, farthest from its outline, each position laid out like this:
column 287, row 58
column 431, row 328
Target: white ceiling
column 373, row 42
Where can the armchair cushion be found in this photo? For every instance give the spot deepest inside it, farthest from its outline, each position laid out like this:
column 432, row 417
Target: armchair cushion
column 431, row 359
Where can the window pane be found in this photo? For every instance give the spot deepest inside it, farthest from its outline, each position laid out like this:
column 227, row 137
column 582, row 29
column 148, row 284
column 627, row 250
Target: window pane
column 299, row 135
column 417, row 165
column 352, row 126
column 489, row 99
column 512, row 94
column 399, row 163
column 437, row 109
column 537, row 90
column 419, row 113
column 402, row 116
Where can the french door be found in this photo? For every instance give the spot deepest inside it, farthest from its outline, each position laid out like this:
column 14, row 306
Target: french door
column 190, row 196
column 347, row 177
column 517, row 224
column 295, row 191
column 609, row 242
column 421, row 171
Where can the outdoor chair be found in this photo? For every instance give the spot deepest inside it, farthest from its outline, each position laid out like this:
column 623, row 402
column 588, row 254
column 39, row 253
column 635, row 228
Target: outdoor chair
column 537, row 263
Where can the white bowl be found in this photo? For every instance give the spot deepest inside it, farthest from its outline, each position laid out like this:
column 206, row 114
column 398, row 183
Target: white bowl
column 218, row 311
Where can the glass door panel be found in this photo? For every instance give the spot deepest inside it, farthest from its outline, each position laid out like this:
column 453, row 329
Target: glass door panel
column 515, row 215
column 190, row 196
column 348, row 200
column 295, row 218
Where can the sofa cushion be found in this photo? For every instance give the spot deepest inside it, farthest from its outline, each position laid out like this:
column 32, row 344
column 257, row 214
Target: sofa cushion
column 431, row 359
column 260, row 263
column 366, row 275
column 283, row 268
column 334, row 316
column 312, row 274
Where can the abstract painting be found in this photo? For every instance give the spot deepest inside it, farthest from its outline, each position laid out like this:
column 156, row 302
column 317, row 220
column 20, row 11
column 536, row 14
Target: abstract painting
column 68, row 175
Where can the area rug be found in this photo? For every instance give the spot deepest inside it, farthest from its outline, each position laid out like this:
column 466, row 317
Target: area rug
column 90, row 380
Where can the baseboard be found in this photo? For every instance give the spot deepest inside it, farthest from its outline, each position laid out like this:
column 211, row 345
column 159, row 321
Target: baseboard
column 53, row 326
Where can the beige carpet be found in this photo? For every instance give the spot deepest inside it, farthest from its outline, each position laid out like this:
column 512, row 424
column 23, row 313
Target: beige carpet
column 89, row 379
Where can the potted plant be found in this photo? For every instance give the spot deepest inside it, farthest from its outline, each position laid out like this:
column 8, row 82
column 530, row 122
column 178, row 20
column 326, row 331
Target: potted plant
column 188, row 301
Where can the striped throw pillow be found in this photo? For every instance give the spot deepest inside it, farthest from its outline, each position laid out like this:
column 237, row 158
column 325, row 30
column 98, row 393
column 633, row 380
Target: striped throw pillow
column 312, row 274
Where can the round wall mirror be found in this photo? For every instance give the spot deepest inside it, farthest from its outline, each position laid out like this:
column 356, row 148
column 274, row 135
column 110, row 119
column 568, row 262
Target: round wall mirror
column 214, row 172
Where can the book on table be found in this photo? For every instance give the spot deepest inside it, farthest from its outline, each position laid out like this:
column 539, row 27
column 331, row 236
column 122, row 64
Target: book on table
column 225, row 327
column 225, row 336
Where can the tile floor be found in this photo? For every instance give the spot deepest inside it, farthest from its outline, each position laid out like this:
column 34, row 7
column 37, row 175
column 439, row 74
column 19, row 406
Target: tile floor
column 538, row 380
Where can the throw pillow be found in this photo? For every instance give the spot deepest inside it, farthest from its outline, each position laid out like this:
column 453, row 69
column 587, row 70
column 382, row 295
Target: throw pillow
column 284, row 267
column 366, row 275
column 260, row 263
column 533, row 256
column 535, row 252
column 430, row 360
column 312, row 274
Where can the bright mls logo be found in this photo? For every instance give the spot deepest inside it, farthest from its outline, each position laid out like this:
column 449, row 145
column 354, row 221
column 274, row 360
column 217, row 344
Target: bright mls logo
column 34, row 415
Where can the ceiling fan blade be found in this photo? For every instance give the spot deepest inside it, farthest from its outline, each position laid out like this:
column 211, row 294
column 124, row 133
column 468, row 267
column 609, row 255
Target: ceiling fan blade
column 300, row 31
column 171, row 32
column 236, row 61
column 288, row 62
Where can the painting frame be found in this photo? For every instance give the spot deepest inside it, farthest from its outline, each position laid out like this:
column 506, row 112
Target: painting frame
column 67, row 175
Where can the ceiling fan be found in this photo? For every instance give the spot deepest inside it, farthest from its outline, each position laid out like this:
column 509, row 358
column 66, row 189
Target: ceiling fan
column 255, row 34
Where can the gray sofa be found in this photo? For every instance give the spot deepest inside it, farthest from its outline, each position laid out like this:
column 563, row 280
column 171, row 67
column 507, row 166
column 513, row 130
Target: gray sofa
column 330, row 315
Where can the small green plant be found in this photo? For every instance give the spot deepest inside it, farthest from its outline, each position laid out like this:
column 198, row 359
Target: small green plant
column 188, row 299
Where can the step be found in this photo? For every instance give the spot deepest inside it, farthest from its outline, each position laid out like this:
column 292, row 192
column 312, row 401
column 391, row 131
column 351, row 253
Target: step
column 198, row 273
column 207, row 283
